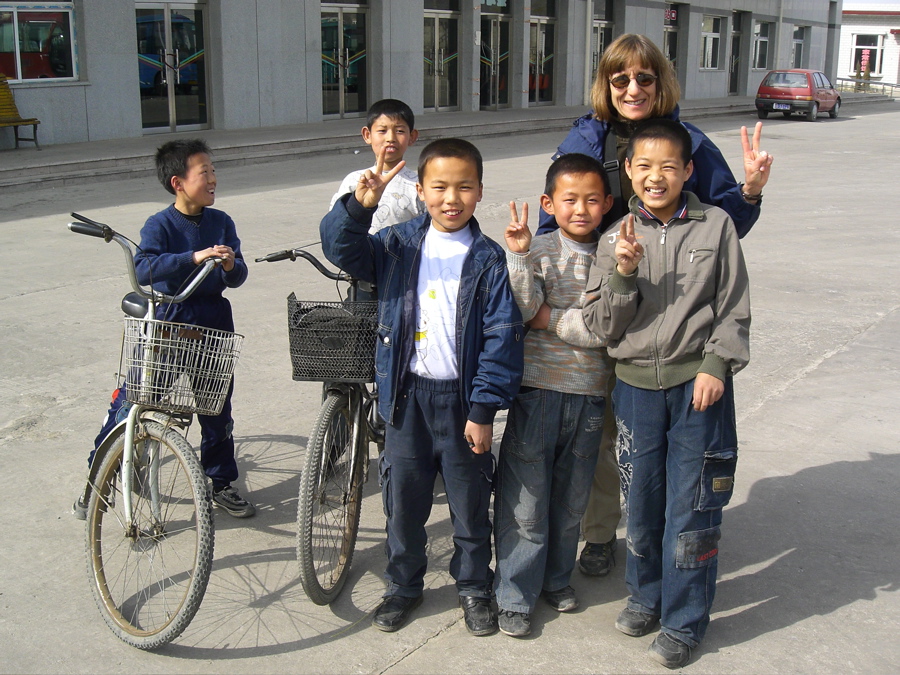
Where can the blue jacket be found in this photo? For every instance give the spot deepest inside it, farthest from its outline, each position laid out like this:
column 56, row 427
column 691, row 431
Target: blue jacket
column 489, row 331
column 712, row 180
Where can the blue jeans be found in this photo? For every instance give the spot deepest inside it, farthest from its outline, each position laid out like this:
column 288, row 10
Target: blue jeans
column 547, row 460
column 427, row 437
column 677, row 469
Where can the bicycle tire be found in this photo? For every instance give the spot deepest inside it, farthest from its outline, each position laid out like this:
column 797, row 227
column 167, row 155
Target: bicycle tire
column 148, row 583
column 330, row 500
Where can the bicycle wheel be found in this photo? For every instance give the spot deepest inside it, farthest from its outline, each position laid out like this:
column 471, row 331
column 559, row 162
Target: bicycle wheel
column 148, row 580
column 330, row 499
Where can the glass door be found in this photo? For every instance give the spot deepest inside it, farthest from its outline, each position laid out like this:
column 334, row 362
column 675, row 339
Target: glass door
column 494, row 63
column 171, row 66
column 441, row 54
column 344, row 76
column 540, row 62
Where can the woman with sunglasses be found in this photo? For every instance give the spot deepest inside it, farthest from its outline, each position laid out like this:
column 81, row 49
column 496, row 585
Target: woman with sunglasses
column 636, row 82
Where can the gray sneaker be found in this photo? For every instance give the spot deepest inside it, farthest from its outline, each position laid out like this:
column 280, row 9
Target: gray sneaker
column 514, row 624
column 229, row 499
column 596, row 559
column 563, row 600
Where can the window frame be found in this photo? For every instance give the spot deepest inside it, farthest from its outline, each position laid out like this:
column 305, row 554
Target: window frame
column 711, row 42
column 878, row 49
column 798, row 46
column 759, row 40
column 12, row 10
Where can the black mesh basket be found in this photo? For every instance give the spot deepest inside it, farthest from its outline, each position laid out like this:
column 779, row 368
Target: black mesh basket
column 332, row 341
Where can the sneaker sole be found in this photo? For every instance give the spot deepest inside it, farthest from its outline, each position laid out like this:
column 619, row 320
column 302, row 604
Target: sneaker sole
column 516, row 635
column 236, row 514
column 589, row 573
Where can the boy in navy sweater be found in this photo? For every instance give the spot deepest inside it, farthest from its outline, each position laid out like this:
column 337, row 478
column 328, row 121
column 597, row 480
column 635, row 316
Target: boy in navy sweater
column 173, row 243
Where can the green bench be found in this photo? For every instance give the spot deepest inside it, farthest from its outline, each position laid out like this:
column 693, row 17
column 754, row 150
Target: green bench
column 10, row 117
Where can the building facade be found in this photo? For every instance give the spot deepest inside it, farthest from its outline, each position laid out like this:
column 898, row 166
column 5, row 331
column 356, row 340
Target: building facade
column 870, row 41
column 101, row 69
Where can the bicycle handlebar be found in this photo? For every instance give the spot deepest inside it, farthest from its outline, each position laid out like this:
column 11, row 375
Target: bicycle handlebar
column 293, row 254
column 92, row 228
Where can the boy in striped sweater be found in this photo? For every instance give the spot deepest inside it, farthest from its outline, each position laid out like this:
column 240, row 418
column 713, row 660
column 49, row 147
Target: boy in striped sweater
column 552, row 437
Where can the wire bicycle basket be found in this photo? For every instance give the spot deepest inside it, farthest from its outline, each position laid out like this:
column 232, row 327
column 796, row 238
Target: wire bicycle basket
column 332, row 341
column 178, row 367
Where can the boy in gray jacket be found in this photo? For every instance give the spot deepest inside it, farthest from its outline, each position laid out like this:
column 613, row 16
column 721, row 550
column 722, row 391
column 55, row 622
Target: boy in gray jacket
column 670, row 292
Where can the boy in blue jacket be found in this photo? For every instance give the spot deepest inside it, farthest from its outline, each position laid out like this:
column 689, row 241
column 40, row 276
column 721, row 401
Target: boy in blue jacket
column 449, row 355
column 173, row 243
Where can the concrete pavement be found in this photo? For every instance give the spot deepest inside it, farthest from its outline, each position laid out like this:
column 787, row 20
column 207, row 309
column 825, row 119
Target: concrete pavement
column 808, row 573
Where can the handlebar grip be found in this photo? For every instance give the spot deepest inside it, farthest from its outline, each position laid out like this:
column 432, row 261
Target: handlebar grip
column 91, row 229
column 275, row 257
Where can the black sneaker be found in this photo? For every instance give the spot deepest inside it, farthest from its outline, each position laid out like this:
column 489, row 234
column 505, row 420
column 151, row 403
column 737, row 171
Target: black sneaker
column 563, row 600
column 596, row 559
column 479, row 615
column 635, row 623
column 514, row 624
column 228, row 498
column 670, row 651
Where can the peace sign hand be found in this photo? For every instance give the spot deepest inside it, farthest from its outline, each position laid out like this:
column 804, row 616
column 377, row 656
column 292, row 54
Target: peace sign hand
column 518, row 236
column 373, row 183
column 756, row 162
column 628, row 251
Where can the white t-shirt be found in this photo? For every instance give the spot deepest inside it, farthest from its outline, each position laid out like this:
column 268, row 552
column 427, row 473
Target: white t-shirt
column 399, row 203
column 440, row 269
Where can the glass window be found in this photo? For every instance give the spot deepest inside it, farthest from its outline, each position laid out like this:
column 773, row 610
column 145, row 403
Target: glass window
column 712, row 41
column 543, row 8
column 447, row 5
column 36, row 41
column 761, row 45
column 603, row 10
column 799, row 40
column 867, row 54
column 495, row 6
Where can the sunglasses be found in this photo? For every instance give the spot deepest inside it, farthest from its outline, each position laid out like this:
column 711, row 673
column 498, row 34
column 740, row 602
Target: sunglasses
column 643, row 80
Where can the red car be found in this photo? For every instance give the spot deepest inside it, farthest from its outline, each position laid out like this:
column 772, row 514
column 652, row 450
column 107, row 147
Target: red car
column 797, row 91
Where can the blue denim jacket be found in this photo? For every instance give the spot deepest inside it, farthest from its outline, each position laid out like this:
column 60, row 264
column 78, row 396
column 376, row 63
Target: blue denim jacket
column 712, row 180
column 489, row 331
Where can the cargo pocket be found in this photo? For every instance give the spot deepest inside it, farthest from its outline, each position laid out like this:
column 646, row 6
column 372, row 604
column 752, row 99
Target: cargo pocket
column 697, row 549
column 384, row 482
column 716, row 480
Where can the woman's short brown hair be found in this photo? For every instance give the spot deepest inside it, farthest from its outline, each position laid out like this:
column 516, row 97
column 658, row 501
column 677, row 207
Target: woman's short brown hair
column 624, row 52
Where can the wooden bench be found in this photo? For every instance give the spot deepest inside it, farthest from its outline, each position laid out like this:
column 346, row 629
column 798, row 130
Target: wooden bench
column 10, row 117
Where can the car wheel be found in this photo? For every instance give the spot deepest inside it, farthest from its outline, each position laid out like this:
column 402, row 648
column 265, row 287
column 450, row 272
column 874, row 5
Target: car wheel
column 787, row 114
column 763, row 114
column 813, row 113
column 835, row 110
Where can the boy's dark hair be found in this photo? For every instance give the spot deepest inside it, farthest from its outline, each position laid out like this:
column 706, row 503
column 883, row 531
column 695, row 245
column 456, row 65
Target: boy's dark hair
column 661, row 130
column 393, row 108
column 172, row 159
column 450, row 147
column 577, row 164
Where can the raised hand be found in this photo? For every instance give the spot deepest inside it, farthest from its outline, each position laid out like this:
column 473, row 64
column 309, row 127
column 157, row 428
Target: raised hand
column 518, row 236
column 372, row 183
column 628, row 251
column 756, row 161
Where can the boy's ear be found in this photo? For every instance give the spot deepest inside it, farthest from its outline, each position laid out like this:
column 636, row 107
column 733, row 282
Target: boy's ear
column 607, row 204
column 367, row 135
column 175, row 182
column 628, row 167
column 689, row 169
column 413, row 136
column 547, row 204
column 420, row 191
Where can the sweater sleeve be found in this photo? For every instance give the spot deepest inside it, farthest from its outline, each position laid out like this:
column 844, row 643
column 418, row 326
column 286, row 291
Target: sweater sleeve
column 155, row 260
column 525, row 283
column 238, row 274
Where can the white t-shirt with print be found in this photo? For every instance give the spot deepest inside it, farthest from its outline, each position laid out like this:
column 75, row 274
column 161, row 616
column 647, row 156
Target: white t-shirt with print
column 399, row 203
column 440, row 269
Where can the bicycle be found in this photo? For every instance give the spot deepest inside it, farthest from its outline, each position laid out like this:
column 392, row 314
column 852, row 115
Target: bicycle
column 333, row 342
column 149, row 525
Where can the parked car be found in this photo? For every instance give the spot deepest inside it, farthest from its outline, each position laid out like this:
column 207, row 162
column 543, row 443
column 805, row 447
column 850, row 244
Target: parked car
column 797, row 91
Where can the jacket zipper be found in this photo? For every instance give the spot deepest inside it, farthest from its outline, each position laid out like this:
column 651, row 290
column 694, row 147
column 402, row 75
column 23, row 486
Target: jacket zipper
column 664, row 258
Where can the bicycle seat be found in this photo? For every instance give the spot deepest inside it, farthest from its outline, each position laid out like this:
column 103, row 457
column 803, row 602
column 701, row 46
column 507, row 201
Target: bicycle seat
column 134, row 305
